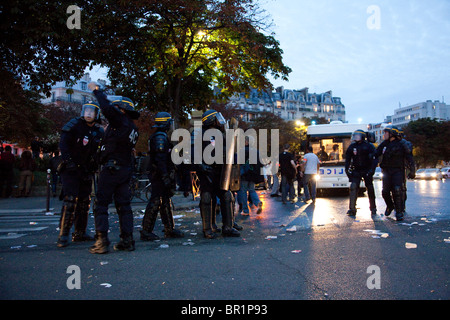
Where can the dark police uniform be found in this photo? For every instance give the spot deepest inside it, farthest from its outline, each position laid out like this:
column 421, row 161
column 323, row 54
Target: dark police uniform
column 79, row 145
column 210, row 181
column 162, row 172
column 395, row 154
column 116, row 158
column 359, row 164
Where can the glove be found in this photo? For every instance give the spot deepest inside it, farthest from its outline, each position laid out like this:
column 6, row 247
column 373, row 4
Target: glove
column 93, row 86
column 348, row 173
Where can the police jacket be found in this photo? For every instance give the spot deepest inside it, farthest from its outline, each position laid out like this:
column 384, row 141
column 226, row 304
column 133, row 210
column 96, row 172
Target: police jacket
column 359, row 156
column 121, row 134
column 395, row 154
column 79, row 143
column 160, row 154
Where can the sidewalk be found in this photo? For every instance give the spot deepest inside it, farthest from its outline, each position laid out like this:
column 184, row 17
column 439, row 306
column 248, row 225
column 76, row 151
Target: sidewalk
column 38, row 204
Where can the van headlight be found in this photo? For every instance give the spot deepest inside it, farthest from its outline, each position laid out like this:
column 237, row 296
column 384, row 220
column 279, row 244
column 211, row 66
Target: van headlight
column 317, row 177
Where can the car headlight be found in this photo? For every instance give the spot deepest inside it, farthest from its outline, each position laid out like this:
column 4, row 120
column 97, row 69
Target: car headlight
column 433, row 174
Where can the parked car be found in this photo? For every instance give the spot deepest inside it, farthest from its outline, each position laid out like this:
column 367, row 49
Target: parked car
column 445, row 172
column 429, row 174
column 378, row 174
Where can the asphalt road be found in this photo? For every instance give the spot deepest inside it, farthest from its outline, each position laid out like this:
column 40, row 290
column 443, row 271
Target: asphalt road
column 289, row 252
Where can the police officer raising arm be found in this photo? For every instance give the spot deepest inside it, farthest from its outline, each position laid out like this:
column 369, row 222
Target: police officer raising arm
column 395, row 154
column 80, row 139
column 116, row 158
column 162, row 170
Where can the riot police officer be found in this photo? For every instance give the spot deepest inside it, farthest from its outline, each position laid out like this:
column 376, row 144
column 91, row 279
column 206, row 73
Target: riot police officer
column 210, row 177
column 359, row 164
column 162, row 172
column 116, row 158
column 395, row 154
column 80, row 139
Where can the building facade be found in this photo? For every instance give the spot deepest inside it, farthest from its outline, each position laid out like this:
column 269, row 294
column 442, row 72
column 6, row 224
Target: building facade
column 430, row 109
column 76, row 94
column 289, row 104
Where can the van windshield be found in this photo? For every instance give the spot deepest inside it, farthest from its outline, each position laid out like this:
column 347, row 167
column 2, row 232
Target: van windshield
column 330, row 150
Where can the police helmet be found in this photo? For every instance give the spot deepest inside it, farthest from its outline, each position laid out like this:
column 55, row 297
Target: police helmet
column 127, row 105
column 91, row 105
column 211, row 117
column 393, row 130
column 359, row 135
column 163, row 120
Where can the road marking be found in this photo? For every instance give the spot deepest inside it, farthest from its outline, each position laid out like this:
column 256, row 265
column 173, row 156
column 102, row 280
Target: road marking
column 3, row 211
column 12, row 236
column 22, row 229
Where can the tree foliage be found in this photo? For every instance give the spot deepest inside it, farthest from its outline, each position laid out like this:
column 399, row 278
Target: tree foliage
column 163, row 54
column 430, row 141
column 169, row 54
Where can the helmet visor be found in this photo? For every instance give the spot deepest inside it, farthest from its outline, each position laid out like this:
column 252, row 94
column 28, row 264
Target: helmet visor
column 220, row 118
column 90, row 112
column 357, row 136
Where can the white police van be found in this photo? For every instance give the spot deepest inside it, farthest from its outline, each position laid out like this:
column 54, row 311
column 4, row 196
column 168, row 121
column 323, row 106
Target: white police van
column 334, row 139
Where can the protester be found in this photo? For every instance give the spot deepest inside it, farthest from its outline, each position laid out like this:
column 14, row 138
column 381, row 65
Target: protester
column 288, row 172
column 26, row 168
column 249, row 173
column 7, row 161
column 55, row 161
column 310, row 166
column 36, row 147
column 299, row 176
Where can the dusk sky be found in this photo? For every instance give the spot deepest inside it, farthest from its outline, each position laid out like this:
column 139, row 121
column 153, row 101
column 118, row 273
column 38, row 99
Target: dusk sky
column 373, row 54
column 404, row 57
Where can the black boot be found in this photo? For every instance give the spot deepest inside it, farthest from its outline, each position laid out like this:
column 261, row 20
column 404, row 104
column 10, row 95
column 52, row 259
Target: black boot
column 101, row 244
column 148, row 223
column 227, row 216
column 398, row 203
column 126, row 243
column 81, row 221
column 389, row 203
column 167, row 220
column 206, row 214
column 353, row 197
column 67, row 217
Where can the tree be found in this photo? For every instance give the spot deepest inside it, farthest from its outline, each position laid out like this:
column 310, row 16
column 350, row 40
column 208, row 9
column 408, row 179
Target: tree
column 429, row 138
column 37, row 49
column 168, row 54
